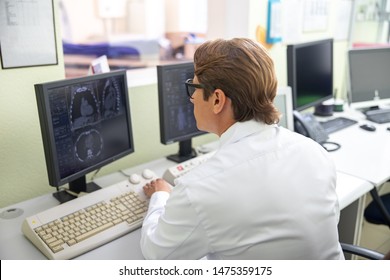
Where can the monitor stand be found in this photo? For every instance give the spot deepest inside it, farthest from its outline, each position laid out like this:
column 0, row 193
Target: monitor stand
column 186, row 152
column 75, row 187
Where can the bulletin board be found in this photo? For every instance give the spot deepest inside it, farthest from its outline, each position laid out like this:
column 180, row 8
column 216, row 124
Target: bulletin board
column 27, row 33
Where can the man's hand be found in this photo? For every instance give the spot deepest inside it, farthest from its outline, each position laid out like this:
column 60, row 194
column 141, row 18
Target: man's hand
column 156, row 186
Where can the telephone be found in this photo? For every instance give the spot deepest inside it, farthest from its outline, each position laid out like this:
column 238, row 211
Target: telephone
column 307, row 125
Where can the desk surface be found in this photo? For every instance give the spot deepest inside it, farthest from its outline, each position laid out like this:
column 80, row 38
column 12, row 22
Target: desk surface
column 363, row 154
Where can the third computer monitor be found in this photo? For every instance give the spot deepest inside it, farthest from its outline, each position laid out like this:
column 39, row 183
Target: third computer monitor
column 369, row 70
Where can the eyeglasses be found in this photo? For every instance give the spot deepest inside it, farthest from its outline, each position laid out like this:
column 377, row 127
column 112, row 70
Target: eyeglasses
column 191, row 87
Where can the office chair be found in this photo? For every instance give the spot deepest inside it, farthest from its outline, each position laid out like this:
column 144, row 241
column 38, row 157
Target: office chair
column 362, row 252
column 378, row 211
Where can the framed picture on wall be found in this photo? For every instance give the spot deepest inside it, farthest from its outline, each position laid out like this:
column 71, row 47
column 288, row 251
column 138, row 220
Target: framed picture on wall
column 27, row 34
column 274, row 22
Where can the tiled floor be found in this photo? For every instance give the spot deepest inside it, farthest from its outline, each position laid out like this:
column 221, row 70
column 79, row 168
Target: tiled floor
column 373, row 236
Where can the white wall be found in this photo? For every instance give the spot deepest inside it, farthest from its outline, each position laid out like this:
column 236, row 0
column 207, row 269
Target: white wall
column 228, row 19
column 83, row 21
column 186, row 16
column 146, row 18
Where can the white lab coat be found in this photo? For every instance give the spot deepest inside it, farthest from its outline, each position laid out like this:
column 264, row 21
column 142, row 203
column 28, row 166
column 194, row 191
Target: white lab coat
column 267, row 193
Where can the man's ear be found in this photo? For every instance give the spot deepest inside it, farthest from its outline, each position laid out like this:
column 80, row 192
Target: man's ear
column 219, row 100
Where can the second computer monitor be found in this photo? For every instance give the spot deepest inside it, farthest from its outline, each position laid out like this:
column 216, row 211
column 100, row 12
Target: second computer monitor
column 177, row 121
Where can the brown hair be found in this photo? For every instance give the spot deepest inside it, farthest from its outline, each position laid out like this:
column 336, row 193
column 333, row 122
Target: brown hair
column 245, row 72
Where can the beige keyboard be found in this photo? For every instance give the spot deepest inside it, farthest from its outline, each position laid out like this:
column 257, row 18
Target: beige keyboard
column 80, row 225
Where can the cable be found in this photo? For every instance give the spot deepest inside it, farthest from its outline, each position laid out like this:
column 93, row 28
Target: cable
column 124, row 173
column 336, row 146
column 94, row 174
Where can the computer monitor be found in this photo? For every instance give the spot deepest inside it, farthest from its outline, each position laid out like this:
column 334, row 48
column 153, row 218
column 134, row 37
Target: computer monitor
column 310, row 73
column 369, row 83
column 177, row 121
column 85, row 125
column 283, row 102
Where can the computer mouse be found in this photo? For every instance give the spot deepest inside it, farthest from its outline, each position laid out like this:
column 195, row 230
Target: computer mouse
column 388, row 128
column 368, row 127
column 147, row 174
column 135, row 179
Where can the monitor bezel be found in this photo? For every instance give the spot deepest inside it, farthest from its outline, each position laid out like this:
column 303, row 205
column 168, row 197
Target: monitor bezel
column 291, row 71
column 42, row 91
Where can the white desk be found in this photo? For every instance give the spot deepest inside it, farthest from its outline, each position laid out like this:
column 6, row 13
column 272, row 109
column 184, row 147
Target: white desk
column 363, row 154
column 350, row 189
